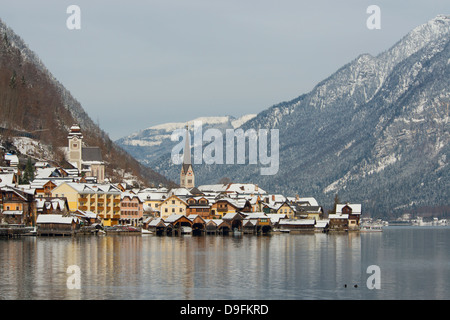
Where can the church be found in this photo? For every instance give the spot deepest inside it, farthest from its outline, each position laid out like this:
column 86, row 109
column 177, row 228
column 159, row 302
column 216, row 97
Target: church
column 88, row 160
column 187, row 177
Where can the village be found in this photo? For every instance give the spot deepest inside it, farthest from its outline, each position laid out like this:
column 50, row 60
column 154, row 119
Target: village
column 80, row 200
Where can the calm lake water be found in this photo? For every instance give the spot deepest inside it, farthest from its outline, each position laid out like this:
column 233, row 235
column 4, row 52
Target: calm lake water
column 414, row 263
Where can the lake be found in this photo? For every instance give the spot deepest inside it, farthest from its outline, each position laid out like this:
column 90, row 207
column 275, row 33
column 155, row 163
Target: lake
column 414, row 263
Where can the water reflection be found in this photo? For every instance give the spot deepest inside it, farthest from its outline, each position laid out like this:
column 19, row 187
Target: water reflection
column 118, row 267
column 313, row 266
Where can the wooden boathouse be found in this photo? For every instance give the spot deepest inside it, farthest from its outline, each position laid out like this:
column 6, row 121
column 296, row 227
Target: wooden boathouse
column 56, row 225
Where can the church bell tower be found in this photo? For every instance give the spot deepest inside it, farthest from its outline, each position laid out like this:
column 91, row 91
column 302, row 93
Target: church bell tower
column 187, row 177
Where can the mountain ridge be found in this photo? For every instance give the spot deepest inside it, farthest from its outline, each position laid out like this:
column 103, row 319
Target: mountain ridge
column 374, row 132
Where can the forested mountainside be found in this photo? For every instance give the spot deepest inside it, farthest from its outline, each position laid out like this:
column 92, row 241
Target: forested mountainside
column 375, row 132
column 34, row 103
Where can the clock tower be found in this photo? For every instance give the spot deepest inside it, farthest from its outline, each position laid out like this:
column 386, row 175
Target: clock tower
column 75, row 146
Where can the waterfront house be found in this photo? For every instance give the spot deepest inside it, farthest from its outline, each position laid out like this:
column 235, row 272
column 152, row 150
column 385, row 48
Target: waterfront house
column 223, row 206
column 56, row 225
column 17, row 206
column 287, row 209
column 308, row 212
column 353, row 212
column 178, row 222
column 234, row 219
column 297, row 225
column 256, row 222
column 152, row 199
column 131, row 209
column 199, row 206
column 217, row 226
column 87, row 217
column 157, row 226
column 198, row 224
column 103, row 199
column 173, row 205
column 346, row 217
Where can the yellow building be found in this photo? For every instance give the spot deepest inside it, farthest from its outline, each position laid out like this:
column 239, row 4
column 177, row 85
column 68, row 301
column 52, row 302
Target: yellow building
column 287, row 209
column 152, row 200
column 102, row 199
column 172, row 205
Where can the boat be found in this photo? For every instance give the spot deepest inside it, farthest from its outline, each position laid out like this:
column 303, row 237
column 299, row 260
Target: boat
column 145, row 231
column 371, row 228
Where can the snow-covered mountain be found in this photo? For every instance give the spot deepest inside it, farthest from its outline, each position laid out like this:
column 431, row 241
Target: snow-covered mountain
column 149, row 144
column 374, row 132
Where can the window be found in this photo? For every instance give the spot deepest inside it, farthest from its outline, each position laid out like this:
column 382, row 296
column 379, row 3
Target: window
column 173, row 209
column 173, row 201
column 165, row 210
column 181, row 209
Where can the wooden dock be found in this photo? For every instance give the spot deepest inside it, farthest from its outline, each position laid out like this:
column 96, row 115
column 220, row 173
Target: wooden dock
column 14, row 231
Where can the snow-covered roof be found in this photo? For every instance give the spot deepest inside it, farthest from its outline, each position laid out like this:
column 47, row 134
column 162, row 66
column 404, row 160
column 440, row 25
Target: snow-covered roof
column 44, row 172
column 173, row 218
column 12, row 212
column 152, row 196
column 179, row 192
column 86, row 214
column 322, row 223
column 338, row 216
column 297, row 222
column 14, row 160
column 275, row 217
column 54, row 218
column 246, row 188
column 155, row 222
column 54, row 204
column 256, row 215
column 356, row 208
column 312, row 201
column 230, row 215
column 6, row 179
column 94, row 188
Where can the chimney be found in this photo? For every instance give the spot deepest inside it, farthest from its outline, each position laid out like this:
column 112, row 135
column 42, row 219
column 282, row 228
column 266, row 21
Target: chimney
column 273, row 197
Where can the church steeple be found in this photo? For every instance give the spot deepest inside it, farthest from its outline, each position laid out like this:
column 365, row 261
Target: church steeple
column 187, row 178
column 187, row 148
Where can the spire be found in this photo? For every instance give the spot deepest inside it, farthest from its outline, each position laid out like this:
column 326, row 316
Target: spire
column 187, row 148
column 187, row 177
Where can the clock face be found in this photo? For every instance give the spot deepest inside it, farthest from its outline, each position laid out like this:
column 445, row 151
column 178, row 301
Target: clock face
column 75, row 139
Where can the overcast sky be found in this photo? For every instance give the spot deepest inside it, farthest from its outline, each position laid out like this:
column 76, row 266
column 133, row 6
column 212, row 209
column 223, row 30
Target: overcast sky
column 135, row 64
